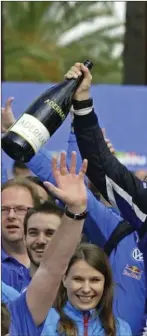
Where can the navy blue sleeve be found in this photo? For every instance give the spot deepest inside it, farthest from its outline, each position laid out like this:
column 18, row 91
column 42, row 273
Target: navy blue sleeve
column 118, row 185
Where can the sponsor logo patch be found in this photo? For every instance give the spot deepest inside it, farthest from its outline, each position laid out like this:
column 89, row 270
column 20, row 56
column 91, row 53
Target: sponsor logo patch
column 137, row 254
column 132, row 272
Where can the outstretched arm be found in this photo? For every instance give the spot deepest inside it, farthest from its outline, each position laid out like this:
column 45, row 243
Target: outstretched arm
column 111, row 178
column 71, row 190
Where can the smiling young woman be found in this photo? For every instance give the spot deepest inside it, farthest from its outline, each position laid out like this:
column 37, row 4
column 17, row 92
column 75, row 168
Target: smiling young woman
column 85, row 297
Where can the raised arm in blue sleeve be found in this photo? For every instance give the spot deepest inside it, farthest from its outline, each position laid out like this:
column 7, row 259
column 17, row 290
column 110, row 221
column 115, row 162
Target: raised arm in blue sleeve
column 72, row 146
column 41, row 163
column 100, row 222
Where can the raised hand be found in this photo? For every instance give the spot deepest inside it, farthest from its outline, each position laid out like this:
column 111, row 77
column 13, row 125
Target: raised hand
column 7, row 118
column 83, row 91
column 70, row 186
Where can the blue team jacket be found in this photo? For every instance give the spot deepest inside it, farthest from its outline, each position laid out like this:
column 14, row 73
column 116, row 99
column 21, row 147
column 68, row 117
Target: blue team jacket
column 94, row 327
column 22, row 322
column 9, row 294
column 126, row 261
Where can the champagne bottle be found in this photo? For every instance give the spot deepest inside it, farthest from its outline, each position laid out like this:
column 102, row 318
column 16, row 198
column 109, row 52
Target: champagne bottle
column 40, row 121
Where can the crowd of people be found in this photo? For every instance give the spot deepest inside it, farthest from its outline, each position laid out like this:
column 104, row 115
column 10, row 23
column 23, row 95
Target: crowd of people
column 73, row 264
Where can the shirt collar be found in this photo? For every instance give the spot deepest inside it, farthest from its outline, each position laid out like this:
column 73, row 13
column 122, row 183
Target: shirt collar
column 5, row 256
column 70, row 308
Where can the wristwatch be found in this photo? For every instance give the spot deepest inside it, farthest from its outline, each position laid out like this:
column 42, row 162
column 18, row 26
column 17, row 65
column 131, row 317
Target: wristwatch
column 82, row 104
column 75, row 216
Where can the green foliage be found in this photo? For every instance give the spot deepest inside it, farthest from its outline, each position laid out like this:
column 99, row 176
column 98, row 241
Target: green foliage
column 33, row 44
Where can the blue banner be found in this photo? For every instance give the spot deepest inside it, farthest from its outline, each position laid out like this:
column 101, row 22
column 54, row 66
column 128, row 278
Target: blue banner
column 122, row 111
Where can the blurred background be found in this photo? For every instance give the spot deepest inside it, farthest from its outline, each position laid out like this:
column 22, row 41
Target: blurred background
column 42, row 39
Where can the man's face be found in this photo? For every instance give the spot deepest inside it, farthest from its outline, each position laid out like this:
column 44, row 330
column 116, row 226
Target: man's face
column 40, row 230
column 16, row 201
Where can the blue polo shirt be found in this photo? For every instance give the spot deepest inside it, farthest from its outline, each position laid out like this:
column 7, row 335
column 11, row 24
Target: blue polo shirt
column 25, row 283
column 13, row 272
column 21, row 319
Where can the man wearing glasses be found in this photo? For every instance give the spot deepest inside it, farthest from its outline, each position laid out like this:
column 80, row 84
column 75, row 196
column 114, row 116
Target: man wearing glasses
column 18, row 196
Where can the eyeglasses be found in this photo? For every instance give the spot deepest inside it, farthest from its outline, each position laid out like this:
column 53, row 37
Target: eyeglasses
column 19, row 210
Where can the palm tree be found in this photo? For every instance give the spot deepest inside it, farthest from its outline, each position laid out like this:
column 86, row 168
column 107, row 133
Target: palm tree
column 34, row 40
column 135, row 46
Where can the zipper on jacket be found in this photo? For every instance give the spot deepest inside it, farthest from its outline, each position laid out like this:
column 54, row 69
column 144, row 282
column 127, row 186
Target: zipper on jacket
column 86, row 319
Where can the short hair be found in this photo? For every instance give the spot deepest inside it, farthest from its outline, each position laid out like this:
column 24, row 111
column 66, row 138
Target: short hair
column 23, row 182
column 5, row 319
column 18, row 164
column 44, row 208
column 37, row 181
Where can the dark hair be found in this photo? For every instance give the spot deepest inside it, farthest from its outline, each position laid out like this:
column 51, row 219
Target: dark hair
column 22, row 182
column 19, row 164
column 97, row 259
column 37, row 181
column 45, row 208
column 5, row 319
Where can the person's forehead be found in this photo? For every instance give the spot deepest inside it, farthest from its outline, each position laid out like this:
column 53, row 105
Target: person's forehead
column 43, row 221
column 82, row 268
column 16, row 194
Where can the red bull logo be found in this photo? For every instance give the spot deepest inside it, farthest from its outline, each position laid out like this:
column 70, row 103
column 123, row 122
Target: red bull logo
column 132, row 272
column 133, row 269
